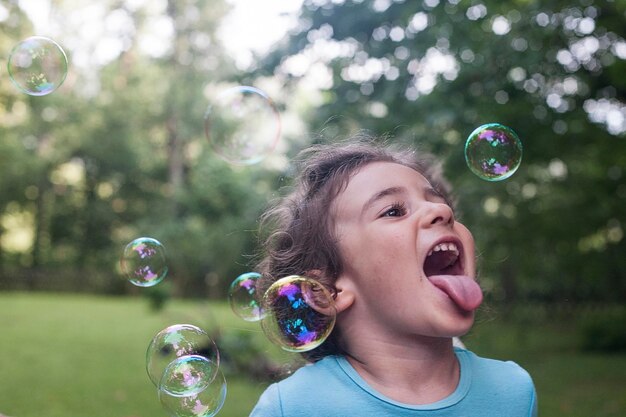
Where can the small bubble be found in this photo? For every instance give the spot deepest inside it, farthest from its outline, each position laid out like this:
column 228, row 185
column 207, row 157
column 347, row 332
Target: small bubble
column 242, row 125
column 175, row 342
column 187, row 375
column 205, row 403
column 143, row 262
column 242, row 296
column 493, row 152
column 37, row 66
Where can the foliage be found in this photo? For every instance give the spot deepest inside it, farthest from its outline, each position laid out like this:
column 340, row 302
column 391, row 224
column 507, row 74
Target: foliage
column 158, row 296
column 605, row 331
column 242, row 354
column 119, row 151
column 428, row 73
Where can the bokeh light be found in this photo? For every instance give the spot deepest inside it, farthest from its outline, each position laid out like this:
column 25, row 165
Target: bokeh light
column 143, row 262
column 242, row 125
column 493, row 152
column 37, row 65
column 299, row 313
column 175, row 342
column 205, row 403
column 242, row 296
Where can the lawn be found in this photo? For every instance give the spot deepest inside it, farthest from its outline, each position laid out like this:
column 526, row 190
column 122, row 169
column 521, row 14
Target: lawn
column 79, row 356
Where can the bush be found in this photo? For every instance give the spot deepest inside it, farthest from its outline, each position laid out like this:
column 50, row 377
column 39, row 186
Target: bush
column 241, row 354
column 604, row 331
column 158, row 296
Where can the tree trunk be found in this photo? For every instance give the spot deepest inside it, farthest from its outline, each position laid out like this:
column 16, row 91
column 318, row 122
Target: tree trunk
column 174, row 141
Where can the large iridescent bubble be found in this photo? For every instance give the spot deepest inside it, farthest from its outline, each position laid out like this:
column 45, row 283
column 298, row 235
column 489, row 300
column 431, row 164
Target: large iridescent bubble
column 242, row 296
column 300, row 313
column 143, row 262
column 242, row 125
column 493, row 152
column 37, row 66
column 175, row 342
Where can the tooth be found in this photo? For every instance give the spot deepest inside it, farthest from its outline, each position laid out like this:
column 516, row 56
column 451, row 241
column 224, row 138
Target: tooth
column 446, row 246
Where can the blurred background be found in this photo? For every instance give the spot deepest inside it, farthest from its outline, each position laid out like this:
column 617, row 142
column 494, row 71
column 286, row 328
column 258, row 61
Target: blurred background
column 119, row 151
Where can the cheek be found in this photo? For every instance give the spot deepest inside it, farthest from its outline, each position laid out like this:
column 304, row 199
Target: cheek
column 468, row 244
column 389, row 258
column 468, row 238
column 375, row 257
column 367, row 258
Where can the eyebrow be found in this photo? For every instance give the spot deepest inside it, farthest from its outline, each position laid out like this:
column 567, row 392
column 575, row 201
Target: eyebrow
column 432, row 192
column 382, row 194
column 429, row 191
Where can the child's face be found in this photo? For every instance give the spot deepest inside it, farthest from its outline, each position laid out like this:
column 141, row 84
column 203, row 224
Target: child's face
column 410, row 264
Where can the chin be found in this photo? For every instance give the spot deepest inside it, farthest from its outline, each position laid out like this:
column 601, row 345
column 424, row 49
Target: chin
column 460, row 325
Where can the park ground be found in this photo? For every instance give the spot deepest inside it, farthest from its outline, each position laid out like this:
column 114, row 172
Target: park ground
column 80, row 355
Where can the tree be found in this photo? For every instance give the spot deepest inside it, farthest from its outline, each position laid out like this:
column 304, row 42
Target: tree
column 119, row 151
column 428, row 73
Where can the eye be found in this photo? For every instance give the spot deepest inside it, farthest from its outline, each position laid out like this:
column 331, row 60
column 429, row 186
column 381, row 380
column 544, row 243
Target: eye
column 396, row 210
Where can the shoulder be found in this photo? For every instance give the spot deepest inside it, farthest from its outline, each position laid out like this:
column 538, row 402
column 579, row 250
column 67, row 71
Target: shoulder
column 268, row 404
column 507, row 381
column 285, row 398
column 495, row 370
column 323, row 375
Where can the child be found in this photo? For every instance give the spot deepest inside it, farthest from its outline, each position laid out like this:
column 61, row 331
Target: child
column 375, row 225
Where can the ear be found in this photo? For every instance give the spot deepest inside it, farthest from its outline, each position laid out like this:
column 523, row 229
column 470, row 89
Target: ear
column 345, row 293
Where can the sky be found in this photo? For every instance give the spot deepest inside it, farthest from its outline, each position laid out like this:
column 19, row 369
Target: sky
column 254, row 25
column 251, row 26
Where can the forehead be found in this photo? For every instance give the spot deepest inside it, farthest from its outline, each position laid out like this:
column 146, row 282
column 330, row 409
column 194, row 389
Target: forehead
column 377, row 177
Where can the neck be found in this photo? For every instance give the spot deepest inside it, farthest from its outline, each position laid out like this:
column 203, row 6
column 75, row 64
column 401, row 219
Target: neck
column 422, row 370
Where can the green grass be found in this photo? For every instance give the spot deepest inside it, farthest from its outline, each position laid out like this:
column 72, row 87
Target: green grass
column 69, row 355
column 84, row 356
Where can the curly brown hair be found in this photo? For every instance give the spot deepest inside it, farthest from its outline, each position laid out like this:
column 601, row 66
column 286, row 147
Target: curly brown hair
column 302, row 240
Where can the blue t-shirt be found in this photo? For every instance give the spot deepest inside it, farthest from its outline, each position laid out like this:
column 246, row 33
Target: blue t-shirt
column 332, row 388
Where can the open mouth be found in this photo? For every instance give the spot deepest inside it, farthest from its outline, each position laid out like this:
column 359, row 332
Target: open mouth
column 444, row 259
column 445, row 270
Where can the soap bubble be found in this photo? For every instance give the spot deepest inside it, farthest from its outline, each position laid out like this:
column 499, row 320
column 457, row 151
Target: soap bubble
column 37, row 66
column 175, row 342
column 242, row 297
column 299, row 313
column 493, row 152
column 143, row 262
column 243, row 125
column 205, row 403
column 187, row 375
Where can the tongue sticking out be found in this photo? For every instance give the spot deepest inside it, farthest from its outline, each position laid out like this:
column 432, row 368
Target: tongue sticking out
column 463, row 290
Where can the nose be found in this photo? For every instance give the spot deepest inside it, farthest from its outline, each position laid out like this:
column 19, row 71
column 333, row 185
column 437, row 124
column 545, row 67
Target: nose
column 437, row 214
